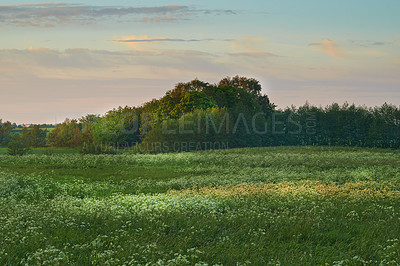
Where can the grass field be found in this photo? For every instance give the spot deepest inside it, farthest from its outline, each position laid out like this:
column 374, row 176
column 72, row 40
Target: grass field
column 19, row 130
column 286, row 205
column 47, row 150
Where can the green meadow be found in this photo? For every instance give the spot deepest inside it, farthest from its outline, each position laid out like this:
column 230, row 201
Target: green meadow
column 45, row 151
column 260, row 206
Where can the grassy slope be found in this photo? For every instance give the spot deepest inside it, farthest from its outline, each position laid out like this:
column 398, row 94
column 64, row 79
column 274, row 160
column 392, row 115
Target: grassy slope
column 265, row 205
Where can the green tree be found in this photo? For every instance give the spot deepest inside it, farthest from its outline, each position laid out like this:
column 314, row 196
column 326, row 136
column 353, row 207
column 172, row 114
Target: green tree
column 250, row 84
column 192, row 131
column 66, row 134
column 34, row 136
column 253, row 86
column 240, row 98
column 38, row 136
column 118, row 127
column 5, row 131
column 87, row 124
column 190, row 101
column 17, row 146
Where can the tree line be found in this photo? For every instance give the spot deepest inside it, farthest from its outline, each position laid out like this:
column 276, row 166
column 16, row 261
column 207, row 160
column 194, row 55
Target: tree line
column 33, row 136
column 233, row 111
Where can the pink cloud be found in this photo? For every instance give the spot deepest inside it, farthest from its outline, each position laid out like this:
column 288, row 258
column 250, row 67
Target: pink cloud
column 330, row 47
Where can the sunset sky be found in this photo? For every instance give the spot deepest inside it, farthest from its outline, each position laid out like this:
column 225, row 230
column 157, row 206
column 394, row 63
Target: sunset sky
column 67, row 59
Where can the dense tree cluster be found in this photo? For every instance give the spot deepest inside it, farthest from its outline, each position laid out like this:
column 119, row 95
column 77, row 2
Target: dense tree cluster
column 232, row 113
column 345, row 125
column 33, row 136
column 5, row 132
column 17, row 146
column 232, row 97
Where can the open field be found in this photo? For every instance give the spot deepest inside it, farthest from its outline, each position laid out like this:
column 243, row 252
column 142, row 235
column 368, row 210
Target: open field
column 286, row 205
column 19, row 130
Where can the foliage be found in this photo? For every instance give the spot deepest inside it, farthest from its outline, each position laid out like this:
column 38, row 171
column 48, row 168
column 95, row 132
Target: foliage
column 199, row 95
column 66, row 134
column 118, row 127
column 97, row 148
column 191, row 101
column 17, row 146
column 5, row 130
column 253, row 86
column 345, row 125
column 201, row 105
column 34, row 137
column 87, row 124
column 193, row 131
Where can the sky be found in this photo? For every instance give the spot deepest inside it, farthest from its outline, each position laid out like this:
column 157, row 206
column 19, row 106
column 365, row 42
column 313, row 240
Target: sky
column 68, row 59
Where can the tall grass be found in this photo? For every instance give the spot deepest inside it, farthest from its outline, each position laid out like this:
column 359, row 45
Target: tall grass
column 259, row 206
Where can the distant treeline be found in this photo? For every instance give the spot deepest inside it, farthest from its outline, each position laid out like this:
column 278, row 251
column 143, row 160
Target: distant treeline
column 231, row 113
column 33, row 136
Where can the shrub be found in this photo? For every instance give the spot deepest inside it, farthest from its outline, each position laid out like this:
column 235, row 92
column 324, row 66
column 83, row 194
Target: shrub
column 98, row 148
column 17, row 146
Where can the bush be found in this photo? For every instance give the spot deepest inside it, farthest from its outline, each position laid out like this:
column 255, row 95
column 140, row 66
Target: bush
column 17, row 146
column 98, row 148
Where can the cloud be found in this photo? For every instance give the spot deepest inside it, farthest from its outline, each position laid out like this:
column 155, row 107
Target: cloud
column 64, row 80
column 163, row 40
column 378, row 43
column 40, row 4
column 254, row 54
column 145, row 43
column 367, row 43
column 357, row 49
column 330, row 47
column 247, row 44
column 52, row 14
column 105, row 64
column 250, row 47
column 158, row 19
